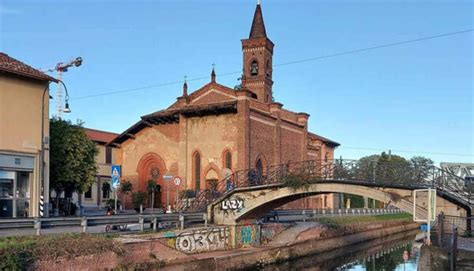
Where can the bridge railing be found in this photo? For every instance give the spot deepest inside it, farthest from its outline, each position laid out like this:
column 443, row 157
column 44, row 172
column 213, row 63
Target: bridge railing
column 311, row 214
column 401, row 173
column 84, row 222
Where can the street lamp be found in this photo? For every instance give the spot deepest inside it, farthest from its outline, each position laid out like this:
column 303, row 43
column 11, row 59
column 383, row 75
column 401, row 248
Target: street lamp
column 66, row 107
column 44, row 189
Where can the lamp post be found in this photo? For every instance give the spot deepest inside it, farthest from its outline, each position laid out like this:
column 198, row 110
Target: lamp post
column 44, row 186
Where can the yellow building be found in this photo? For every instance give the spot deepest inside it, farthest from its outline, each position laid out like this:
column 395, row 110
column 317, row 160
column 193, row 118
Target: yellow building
column 24, row 133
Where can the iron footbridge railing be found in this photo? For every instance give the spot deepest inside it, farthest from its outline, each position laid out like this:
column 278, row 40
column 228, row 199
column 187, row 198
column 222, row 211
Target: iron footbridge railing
column 363, row 172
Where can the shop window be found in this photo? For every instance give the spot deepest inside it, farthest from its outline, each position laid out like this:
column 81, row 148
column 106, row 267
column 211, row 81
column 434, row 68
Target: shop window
column 14, row 194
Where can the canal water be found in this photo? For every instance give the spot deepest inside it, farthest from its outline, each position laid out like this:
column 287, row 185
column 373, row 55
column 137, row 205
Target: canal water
column 398, row 252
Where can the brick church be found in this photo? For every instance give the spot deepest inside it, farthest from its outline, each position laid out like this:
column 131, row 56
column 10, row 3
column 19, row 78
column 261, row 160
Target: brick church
column 217, row 127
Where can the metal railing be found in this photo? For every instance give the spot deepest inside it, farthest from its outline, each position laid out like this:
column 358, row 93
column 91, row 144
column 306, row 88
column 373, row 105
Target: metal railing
column 84, row 222
column 311, row 214
column 451, row 233
column 364, row 172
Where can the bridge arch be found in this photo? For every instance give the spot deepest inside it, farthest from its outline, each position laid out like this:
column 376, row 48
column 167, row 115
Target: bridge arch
column 260, row 199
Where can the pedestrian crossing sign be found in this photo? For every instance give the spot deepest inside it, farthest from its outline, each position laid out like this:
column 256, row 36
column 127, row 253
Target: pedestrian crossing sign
column 115, row 174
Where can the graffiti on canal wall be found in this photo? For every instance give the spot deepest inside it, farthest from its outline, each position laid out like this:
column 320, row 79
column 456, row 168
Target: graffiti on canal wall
column 200, row 240
column 269, row 230
column 248, row 235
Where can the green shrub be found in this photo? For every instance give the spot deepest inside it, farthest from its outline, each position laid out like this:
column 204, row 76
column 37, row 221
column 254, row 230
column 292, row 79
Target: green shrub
column 138, row 198
column 296, row 181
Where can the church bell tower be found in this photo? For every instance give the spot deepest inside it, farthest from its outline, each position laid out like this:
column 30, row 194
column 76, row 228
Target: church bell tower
column 257, row 66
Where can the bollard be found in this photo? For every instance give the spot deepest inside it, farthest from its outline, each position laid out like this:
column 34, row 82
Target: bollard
column 181, row 221
column 304, row 215
column 204, row 216
column 141, row 222
column 155, row 221
column 37, row 226
column 141, row 209
column 84, row 224
column 339, row 211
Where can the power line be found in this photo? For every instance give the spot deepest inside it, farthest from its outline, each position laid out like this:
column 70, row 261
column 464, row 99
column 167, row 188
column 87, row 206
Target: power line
column 355, row 51
column 408, row 151
column 375, row 47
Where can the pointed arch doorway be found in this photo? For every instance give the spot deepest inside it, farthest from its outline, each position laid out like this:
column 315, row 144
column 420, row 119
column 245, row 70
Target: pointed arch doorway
column 151, row 168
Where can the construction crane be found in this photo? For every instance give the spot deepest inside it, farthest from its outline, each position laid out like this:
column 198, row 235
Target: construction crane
column 61, row 68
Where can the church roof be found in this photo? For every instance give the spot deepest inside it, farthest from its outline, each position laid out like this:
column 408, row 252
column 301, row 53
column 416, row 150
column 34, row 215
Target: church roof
column 258, row 26
column 172, row 116
column 99, row 136
column 326, row 141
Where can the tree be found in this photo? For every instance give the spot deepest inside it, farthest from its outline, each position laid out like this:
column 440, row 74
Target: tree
column 125, row 188
column 421, row 167
column 72, row 158
column 393, row 169
column 138, row 198
column 152, row 187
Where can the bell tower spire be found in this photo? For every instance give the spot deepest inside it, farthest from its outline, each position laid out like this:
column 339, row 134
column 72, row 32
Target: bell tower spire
column 257, row 59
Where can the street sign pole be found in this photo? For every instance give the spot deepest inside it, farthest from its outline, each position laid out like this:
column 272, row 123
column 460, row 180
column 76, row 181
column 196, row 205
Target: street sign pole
column 115, row 174
column 177, row 195
column 115, row 196
column 167, row 179
column 177, row 182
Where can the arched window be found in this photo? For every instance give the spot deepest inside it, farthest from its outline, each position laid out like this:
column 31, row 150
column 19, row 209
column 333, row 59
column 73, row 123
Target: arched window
column 227, row 159
column 254, row 68
column 259, row 167
column 197, row 171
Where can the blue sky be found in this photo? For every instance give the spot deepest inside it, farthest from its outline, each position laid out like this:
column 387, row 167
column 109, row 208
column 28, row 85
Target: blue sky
column 414, row 98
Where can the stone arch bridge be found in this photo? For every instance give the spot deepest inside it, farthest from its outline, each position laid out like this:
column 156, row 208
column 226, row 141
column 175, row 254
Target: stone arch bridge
column 249, row 203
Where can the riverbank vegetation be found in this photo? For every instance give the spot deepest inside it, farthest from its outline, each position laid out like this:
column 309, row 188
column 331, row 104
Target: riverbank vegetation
column 20, row 252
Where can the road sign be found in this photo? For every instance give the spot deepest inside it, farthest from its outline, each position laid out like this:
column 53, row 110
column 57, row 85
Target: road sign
column 424, row 227
column 177, row 180
column 167, row 177
column 115, row 174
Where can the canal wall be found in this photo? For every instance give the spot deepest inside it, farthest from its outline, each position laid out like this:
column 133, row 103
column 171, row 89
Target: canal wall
column 303, row 248
column 152, row 253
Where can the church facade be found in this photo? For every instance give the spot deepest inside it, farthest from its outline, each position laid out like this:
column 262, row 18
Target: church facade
column 216, row 129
